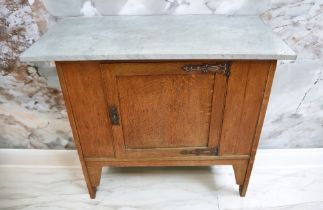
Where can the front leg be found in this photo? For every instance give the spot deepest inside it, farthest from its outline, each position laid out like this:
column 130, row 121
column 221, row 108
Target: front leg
column 240, row 172
column 94, row 173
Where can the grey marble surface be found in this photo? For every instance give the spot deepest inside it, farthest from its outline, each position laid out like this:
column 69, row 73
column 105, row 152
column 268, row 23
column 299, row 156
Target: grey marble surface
column 159, row 37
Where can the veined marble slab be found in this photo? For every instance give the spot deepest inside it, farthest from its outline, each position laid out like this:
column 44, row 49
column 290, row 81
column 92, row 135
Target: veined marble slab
column 159, row 37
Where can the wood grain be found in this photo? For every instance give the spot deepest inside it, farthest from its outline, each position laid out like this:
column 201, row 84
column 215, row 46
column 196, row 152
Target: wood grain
column 122, row 163
column 164, row 110
column 134, row 68
column 95, row 172
column 218, row 104
column 163, row 158
column 83, row 84
column 260, row 121
column 243, row 102
column 240, row 171
column 111, row 92
column 90, row 187
column 162, row 106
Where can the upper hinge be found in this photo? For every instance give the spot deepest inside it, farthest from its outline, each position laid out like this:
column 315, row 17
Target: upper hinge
column 221, row 68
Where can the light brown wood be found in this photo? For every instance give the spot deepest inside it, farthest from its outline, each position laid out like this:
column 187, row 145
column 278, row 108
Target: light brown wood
column 165, row 159
column 253, row 150
column 164, row 109
column 155, row 68
column 95, row 171
column 84, row 87
column 240, row 171
column 218, row 103
column 153, row 163
column 110, row 87
column 91, row 189
column 154, row 110
column 243, row 101
column 167, row 116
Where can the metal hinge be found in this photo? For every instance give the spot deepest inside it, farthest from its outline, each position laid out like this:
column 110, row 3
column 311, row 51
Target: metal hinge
column 114, row 115
column 222, row 68
column 197, row 152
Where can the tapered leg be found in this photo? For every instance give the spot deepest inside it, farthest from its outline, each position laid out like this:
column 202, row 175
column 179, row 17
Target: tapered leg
column 240, row 172
column 244, row 186
column 94, row 172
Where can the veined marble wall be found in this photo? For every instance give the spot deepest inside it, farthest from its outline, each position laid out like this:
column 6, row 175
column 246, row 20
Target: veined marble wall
column 32, row 111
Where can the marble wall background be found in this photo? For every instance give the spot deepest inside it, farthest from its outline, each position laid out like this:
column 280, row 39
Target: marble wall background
column 32, row 111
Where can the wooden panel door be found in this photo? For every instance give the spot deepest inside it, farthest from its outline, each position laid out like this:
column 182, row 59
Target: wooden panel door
column 159, row 109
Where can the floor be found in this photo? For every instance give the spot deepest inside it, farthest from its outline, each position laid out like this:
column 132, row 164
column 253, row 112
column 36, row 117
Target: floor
column 281, row 180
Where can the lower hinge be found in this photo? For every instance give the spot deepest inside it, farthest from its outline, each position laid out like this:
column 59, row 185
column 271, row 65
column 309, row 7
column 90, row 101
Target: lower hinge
column 198, row 152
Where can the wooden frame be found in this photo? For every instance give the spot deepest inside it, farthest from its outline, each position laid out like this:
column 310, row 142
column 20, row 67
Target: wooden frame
column 246, row 98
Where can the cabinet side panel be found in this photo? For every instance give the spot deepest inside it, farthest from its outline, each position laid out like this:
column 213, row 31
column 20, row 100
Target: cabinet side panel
column 244, row 98
column 85, row 91
column 74, row 130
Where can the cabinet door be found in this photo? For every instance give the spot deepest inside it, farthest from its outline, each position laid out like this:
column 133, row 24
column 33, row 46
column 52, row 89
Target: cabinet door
column 166, row 108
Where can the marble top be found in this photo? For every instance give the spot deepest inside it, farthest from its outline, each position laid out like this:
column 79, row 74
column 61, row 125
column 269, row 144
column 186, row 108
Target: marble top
column 159, row 37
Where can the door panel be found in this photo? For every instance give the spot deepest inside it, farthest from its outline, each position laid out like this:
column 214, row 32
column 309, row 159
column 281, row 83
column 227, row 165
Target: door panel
column 163, row 109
